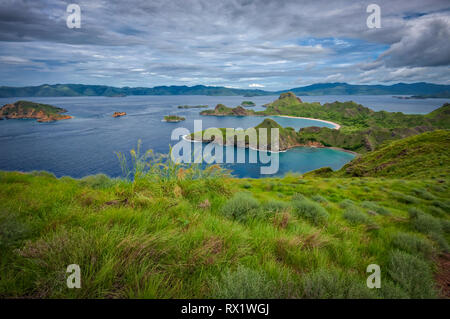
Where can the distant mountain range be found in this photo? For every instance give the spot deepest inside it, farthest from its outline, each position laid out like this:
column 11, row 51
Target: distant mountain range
column 417, row 89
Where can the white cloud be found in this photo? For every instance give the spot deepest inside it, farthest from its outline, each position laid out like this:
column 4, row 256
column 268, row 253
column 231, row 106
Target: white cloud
column 255, row 85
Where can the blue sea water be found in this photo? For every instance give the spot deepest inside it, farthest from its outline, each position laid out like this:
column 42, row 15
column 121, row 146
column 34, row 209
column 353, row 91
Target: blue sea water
column 87, row 143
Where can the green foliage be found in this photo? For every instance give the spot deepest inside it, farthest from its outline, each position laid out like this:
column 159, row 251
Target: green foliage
column 309, row 210
column 372, row 206
column 413, row 244
column 97, row 181
column 318, row 198
column 246, row 283
column 356, row 216
column 331, row 284
column 413, row 274
column 242, row 206
column 12, row 231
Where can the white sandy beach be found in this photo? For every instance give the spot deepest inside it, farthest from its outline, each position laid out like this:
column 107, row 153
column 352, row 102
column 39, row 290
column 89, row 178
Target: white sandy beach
column 336, row 126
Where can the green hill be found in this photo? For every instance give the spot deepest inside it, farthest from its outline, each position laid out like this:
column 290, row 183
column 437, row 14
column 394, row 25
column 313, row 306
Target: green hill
column 421, row 156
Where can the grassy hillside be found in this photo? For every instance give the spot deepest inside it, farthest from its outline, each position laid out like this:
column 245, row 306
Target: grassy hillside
column 422, row 156
column 182, row 232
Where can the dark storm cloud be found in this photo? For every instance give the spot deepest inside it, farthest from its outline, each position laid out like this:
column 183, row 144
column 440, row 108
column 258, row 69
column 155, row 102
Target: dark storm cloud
column 227, row 42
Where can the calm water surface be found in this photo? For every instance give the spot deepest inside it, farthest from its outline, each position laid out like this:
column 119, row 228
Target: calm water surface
column 87, row 144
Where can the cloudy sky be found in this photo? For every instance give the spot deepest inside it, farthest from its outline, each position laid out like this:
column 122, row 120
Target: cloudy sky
column 235, row 43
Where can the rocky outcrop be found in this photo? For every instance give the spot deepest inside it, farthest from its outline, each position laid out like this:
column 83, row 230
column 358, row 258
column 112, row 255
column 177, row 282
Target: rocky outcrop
column 118, row 114
column 31, row 110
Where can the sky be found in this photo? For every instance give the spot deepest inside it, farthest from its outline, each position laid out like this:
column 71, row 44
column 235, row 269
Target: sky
column 263, row 44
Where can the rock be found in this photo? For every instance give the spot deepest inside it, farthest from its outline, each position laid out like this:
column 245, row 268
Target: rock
column 205, row 205
column 117, row 114
column 31, row 110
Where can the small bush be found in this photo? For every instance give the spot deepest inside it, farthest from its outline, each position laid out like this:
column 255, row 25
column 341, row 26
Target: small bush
column 446, row 226
column 441, row 204
column 355, row 216
column 245, row 283
column 425, row 223
column 436, row 211
column 329, row 284
column 389, row 290
column 413, row 274
column 423, row 193
column 347, row 203
column 310, row 211
column 375, row 207
column 298, row 196
column 43, row 174
column 441, row 241
column 320, row 199
column 241, row 207
column 403, row 198
column 412, row 244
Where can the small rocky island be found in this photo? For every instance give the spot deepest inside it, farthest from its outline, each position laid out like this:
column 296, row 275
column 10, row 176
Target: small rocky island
column 118, row 114
column 222, row 110
column 248, row 103
column 32, row 110
column 173, row 118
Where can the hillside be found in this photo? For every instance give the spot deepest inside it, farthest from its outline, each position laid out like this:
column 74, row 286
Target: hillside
column 421, row 156
column 31, row 110
column 181, row 232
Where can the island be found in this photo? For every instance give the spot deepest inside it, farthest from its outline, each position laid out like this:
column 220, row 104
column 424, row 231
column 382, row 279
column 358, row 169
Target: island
column 192, row 106
column 223, row 110
column 32, row 110
column 118, row 114
column 248, row 103
column 173, row 118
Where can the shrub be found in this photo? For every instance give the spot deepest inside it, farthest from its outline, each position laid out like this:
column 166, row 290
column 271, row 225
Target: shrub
column 441, row 241
column 310, row 211
column 241, row 207
column 375, row 207
column 425, row 223
column 413, row 274
column 327, row 284
column 320, row 199
column 347, row 203
column 355, row 216
column 298, row 196
column 245, row 283
column 389, row 290
column 441, row 204
column 403, row 198
column 446, row 226
column 436, row 211
column 423, row 193
column 412, row 244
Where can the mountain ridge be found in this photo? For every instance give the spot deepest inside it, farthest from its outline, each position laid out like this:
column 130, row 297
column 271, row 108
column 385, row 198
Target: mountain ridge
column 337, row 88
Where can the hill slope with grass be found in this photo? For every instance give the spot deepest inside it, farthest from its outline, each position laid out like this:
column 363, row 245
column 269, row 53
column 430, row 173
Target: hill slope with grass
column 421, row 156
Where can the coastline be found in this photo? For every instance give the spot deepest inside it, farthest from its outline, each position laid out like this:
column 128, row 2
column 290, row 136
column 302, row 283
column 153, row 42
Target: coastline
column 185, row 137
column 336, row 126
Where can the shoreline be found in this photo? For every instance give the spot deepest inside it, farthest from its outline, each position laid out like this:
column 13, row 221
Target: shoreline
column 336, row 126
column 185, row 137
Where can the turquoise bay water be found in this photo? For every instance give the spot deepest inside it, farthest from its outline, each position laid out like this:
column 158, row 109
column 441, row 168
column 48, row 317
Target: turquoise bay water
column 87, row 143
